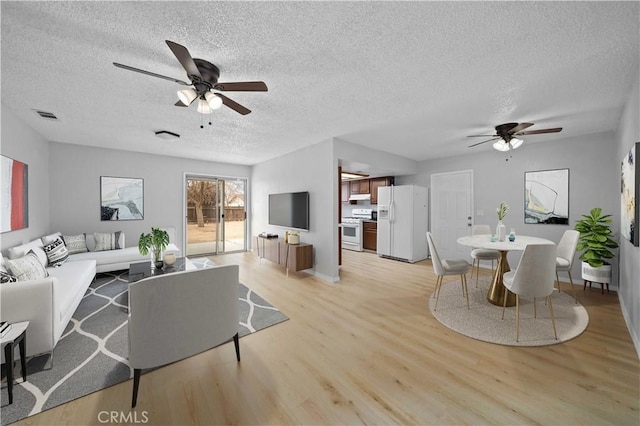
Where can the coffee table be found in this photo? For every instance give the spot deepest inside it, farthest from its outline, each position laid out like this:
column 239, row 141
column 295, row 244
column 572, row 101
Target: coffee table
column 140, row 270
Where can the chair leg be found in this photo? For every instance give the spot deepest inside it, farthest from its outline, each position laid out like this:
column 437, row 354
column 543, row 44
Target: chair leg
column 466, row 289
column 477, row 267
column 535, row 313
column 553, row 320
column 438, row 285
column 136, row 383
column 557, row 281
column 236, row 342
column 575, row 296
column 504, row 303
column 517, row 318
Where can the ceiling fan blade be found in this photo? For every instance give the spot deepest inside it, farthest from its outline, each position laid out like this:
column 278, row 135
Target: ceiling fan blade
column 480, row 143
column 180, row 104
column 481, row 136
column 245, row 86
column 520, row 127
column 537, row 132
column 185, row 58
column 234, row 105
column 152, row 74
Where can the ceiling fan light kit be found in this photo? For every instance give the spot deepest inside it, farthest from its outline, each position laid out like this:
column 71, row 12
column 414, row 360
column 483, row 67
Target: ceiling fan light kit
column 204, row 79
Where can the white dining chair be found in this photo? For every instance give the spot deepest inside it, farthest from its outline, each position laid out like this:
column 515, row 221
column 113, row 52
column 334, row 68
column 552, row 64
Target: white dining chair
column 478, row 254
column 534, row 277
column 443, row 267
column 565, row 253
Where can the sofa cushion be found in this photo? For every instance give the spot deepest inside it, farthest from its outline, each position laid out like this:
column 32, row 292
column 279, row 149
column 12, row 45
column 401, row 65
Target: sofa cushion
column 129, row 254
column 35, row 246
column 75, row 243
column 27, row 267
column 48, row 239
column 57, row 252
column 72, row 279
column 107, row 241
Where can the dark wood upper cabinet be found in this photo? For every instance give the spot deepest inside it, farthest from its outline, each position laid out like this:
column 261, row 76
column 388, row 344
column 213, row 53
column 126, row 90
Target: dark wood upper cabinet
column 360, row 186
column 375, row 183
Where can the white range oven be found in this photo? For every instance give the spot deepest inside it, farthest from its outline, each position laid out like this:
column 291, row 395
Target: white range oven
column 352, row 229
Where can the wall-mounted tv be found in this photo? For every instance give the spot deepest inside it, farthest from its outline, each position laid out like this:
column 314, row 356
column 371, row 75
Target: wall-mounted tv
column 290, row 209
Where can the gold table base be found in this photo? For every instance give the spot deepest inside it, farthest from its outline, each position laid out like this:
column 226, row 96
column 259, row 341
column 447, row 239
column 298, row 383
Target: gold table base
column 496, row 291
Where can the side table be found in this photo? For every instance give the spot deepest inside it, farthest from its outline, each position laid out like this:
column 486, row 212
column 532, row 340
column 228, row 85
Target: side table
column 17, row 335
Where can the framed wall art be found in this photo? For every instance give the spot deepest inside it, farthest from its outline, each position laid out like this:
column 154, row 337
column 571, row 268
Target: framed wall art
column 629, row 193
column 14, row 194
column 546, row 197
column 121, row 198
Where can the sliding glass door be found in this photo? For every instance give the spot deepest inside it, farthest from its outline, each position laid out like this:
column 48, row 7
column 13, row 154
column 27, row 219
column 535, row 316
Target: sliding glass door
column 216, row 215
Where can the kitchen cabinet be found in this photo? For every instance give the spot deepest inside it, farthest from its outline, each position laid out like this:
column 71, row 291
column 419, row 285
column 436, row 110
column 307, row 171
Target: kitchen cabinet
column 370, row 236
column 359, row 186
column 345, row 192
column 375, row 183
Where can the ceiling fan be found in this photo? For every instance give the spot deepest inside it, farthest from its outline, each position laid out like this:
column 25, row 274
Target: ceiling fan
column 505, row 137
column 204, row 80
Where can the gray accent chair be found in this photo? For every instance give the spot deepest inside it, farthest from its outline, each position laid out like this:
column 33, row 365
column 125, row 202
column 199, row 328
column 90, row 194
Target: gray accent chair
column 175, row 316
column 479, row 254
column 565, row 253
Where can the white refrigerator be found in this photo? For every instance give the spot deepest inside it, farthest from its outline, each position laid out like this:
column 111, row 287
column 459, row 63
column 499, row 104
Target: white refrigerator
column 402, row 222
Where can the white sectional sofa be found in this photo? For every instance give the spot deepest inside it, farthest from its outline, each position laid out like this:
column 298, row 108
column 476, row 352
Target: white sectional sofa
column 49, row 303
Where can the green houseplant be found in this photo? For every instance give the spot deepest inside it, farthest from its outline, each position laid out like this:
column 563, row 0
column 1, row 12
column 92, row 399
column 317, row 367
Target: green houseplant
column 596, row 243
column 155, row 242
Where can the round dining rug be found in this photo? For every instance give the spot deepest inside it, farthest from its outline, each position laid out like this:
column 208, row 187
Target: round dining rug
column 483, row 320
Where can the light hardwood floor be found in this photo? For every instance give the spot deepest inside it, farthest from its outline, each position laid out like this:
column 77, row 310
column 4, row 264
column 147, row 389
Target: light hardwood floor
column 367, row 350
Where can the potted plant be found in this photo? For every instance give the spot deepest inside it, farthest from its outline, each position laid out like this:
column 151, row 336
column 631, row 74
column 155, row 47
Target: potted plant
column 155, row 242
column 596, row 243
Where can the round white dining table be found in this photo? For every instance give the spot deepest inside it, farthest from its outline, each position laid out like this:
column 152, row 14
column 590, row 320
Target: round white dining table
column 496, row 290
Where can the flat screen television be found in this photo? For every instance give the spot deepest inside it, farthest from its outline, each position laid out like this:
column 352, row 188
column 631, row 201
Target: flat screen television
column 290, row 209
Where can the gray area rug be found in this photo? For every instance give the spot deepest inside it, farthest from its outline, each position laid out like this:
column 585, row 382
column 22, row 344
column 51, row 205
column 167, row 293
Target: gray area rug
column 483, row 320
column 92, row 353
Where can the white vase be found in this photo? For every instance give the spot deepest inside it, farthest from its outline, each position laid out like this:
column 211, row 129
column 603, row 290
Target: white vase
column 169, row 259
column 501, row 231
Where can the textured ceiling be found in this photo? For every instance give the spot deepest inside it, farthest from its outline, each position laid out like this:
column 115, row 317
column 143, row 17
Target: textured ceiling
column 409, row 78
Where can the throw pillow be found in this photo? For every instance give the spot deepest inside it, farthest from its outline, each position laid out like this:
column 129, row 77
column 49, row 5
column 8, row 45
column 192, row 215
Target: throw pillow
column 107, row 241
column 27, row 268
column 57, row 252
column 48, row 239
column 6, row 277
column 35, row 246
column 75, row 243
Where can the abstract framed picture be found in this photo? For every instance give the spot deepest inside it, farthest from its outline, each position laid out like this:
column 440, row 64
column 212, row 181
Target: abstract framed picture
column 121, row 198
column 14, row 180
column 546, row 197
column 629, row 193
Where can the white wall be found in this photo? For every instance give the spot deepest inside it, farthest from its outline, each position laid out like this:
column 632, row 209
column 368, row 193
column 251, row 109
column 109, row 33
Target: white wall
column 593, row 182
column 308, row 169
column 22, row 143
column 75, row 188
column 629, row 283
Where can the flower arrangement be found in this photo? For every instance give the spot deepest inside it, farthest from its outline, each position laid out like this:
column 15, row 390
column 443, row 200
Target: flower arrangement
column 502, row 210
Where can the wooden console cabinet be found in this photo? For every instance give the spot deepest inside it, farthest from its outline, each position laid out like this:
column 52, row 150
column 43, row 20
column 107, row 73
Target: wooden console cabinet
column 295, row 257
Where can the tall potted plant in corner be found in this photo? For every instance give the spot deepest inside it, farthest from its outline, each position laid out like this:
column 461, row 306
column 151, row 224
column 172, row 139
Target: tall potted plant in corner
column 155, row 242
column 596, row 243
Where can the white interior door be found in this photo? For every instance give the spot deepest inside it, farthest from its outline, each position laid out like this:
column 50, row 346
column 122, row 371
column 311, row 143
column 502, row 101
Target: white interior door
column 451, row 208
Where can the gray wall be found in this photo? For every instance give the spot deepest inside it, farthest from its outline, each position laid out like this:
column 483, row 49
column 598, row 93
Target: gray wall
column 308, row 169
column 629, row 285
column 593, row 182
column 75, row 188
column 22, row 143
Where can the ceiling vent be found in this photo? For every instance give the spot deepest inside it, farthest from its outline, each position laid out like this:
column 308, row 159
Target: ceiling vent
column 46, row 115
column 167, row 135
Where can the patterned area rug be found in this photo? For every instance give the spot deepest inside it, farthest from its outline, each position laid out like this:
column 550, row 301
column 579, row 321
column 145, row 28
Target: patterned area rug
column 92, row 353
column 483, row 320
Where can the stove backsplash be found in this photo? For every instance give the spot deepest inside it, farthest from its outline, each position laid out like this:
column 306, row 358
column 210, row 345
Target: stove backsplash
column 347, row 209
